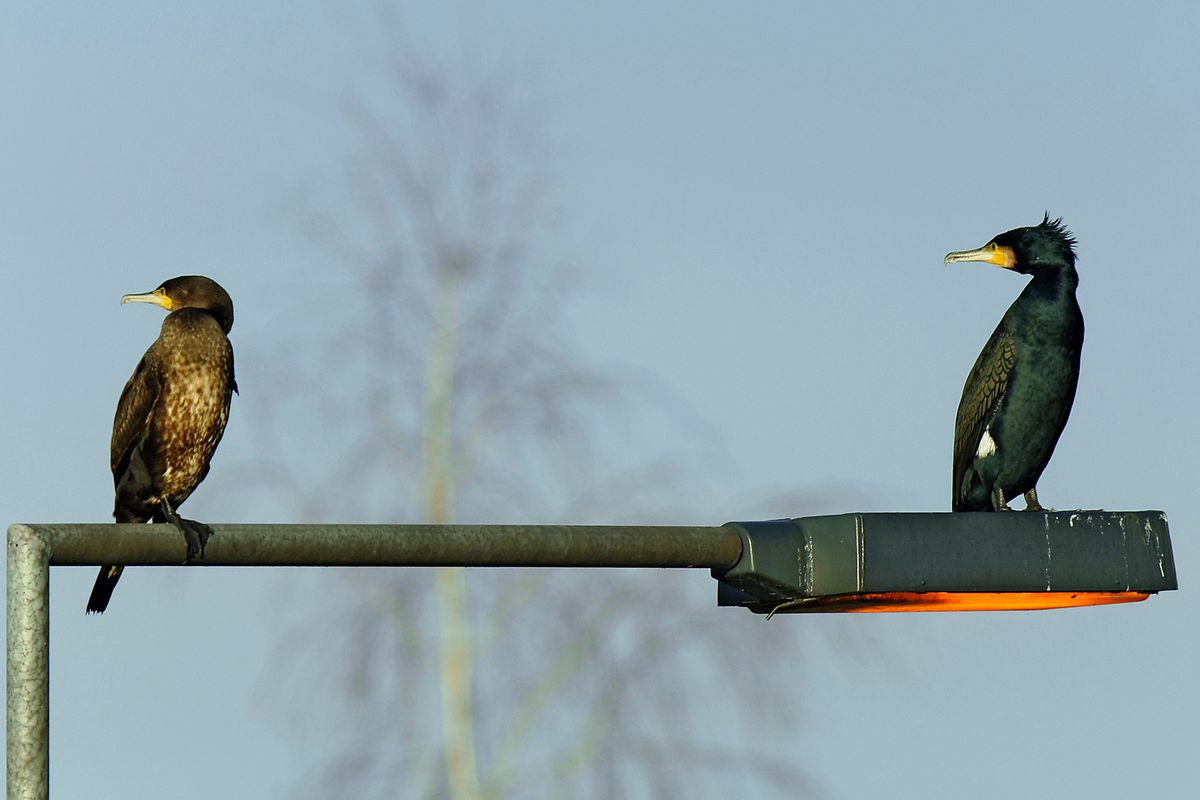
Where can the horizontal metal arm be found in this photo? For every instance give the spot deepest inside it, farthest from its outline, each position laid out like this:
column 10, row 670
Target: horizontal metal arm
column 399, row 545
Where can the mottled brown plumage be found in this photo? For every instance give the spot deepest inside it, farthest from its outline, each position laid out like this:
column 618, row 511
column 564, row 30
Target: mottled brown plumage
column 171, row 414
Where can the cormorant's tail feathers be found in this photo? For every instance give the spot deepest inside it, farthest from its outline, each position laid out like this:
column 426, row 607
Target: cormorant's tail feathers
column 106, row 581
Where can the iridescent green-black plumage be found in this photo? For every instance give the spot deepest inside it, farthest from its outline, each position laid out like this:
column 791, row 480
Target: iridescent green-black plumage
column 1018, row 396
column 171, row 414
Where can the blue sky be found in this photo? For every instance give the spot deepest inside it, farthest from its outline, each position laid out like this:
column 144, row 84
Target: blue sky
column 758, row 201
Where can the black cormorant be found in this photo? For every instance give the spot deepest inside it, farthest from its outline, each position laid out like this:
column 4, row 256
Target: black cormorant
column 1019, row 393
column 171, row 414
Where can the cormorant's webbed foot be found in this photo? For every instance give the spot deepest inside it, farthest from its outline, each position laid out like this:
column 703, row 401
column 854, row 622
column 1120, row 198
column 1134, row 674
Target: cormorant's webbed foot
column 998, row 502
column 1031, row 501
column 195, row 534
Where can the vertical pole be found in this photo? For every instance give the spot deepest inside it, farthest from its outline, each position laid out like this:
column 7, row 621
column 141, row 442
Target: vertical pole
column 28, row 664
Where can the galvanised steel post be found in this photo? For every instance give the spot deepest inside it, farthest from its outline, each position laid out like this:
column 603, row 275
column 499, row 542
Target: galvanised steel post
column 28, row 663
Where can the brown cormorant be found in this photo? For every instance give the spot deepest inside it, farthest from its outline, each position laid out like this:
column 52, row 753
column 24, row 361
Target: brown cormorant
column 1018, row 396
column 171, row 414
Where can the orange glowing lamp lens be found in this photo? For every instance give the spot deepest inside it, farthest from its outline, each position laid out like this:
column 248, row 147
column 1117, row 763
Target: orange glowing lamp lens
column 960, row 601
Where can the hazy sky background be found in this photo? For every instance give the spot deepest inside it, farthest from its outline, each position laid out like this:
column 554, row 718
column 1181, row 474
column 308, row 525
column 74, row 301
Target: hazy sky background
column 758, row 199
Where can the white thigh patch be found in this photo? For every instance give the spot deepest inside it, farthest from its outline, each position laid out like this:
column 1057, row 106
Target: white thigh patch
column 987, row 445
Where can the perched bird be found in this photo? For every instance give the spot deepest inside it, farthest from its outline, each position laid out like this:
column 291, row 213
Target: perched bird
column 1017, row 398
column 171, row 415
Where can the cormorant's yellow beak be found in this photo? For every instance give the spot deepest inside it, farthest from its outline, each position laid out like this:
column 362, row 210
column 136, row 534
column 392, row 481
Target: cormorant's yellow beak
column 158, row 297
column 990, row 253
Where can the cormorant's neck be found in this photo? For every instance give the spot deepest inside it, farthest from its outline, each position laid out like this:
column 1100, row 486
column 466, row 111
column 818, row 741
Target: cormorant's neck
column 1047, row 308
column 190, row 317
column 1054, row 284
column 189, row 314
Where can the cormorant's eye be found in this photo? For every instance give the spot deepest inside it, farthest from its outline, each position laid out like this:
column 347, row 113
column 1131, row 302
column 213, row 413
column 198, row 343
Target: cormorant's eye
column 993, row 247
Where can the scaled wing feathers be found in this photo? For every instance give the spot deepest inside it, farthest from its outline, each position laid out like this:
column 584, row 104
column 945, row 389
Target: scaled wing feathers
column 981, row 399
column 132, row 420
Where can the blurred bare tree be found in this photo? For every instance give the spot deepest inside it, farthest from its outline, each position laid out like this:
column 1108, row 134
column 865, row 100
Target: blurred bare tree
column 448, row 391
